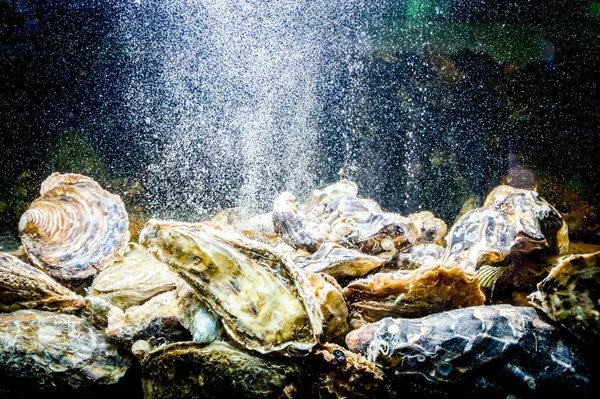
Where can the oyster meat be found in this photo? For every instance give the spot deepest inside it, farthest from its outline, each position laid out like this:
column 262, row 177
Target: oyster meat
column 264, row 301
column 23, row 286
column 47, row 349
column 74, row 229
column 500, row 349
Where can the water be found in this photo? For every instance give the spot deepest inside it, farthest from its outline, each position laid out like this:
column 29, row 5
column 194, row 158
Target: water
column 230, row 93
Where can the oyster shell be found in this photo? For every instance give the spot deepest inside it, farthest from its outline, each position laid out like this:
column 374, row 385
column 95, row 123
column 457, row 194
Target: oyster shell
column 346, row 374
column 430, row 229
column 23, row 286
column 569, row 295
column 510, row 222
column 265, row 302
column 47, row 349
column 421, row 254
column 157, row 321
column 134, row 279
column 415, row 293
column 190, row 370
column 333, row 306
column 497, row 349
column 339, row 261
column 74, row 229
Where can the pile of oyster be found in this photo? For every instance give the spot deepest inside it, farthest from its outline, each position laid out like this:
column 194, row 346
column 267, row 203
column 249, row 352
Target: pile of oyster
column 329, row 297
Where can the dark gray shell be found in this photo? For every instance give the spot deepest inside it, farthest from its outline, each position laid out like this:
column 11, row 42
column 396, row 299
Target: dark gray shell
column 499, row 348
column 47, row 349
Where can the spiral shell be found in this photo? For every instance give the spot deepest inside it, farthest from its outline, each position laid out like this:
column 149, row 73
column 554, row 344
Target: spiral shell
column 74, row 228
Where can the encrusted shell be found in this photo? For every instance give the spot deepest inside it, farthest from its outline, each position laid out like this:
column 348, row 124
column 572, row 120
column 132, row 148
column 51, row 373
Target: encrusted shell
column 23, row 286
column 47, row 349
column 415, row 293
column 511, row 221
column 74, row 228
column 294, row 225
column 430, row 229
column 190, row 370
column 569, row 295
column 265, row 302
column 498, row 349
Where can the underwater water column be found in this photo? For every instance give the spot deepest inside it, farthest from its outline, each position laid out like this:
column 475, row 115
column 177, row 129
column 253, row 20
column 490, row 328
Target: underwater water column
column 226, row 97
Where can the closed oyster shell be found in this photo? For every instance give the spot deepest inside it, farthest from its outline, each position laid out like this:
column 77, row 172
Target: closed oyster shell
column 134, row 279
column 47, row 349
column 295, row 225
column 265, row 302
column 569, row 295
column 415, row 293
column 191, row 370
column 74, row 229
column 23, row 286
column 333, row 306
column 339, row 261
column 498, row 349
column 430, row 229
column 510, row 222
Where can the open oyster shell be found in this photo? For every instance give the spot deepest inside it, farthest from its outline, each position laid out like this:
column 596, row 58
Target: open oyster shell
column 74, row 228
column 23, row 286
column 265, row 302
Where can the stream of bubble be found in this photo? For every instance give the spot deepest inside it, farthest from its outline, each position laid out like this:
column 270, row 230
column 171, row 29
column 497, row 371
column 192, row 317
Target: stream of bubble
column 228, row 96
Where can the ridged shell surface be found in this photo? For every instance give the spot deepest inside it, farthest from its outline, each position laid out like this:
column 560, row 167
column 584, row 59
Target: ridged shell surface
column 265, row 302
column 48, row 349
column 23, row 286
column 499, row 348
column 74, row 228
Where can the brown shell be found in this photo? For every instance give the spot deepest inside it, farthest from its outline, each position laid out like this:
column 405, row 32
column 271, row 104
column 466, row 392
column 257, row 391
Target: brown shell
column 23, row 286
column 265, row 302
column 74, row 228
column 569, row 295
column 414, row 293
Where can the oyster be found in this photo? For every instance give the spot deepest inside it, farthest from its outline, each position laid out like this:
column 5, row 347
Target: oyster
column 569, row 295
column 23, row 286
column 187, row 369
column 421, row 254
column 203, row 324
column 333, row 306
column 339, row 261
column 510, row 222
column 265, row 302
column 415, row 293
column 134, row 279
column 46, row 349
column 500, row 349
column 346, row 374
column 295, row 225
column 74, row 229
column 157, row 320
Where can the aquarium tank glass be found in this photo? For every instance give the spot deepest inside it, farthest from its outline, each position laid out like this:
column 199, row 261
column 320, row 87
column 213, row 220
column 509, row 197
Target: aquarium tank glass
column 297, row 199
